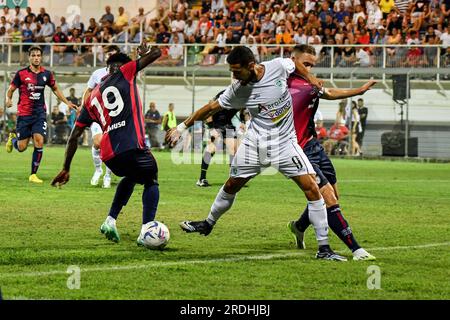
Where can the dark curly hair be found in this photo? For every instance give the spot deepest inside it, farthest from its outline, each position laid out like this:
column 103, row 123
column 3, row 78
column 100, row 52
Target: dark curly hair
column 118, row 57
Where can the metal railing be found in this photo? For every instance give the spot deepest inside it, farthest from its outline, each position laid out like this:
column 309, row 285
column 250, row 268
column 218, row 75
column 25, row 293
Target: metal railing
column 332, row 57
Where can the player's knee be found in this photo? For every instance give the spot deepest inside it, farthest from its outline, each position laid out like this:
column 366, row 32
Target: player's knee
column 310, row 188
column 232, row 186
column 22, row 147
column 328, row 195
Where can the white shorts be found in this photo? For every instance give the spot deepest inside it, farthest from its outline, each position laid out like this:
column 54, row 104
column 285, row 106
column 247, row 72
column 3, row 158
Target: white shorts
column 96, row 129
column 284, row 155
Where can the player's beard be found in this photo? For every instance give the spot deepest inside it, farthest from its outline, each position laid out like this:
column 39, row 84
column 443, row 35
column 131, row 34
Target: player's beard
column 251, row 78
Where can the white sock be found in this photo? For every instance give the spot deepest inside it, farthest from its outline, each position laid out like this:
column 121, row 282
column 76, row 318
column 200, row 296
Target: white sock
column 222, row 204
column 96, row 159
column 110, row 221
column 108, row 172
column 318, row 218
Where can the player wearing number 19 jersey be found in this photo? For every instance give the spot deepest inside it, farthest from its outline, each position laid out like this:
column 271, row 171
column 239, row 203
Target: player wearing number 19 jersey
column 116, row 106
column 305, row 101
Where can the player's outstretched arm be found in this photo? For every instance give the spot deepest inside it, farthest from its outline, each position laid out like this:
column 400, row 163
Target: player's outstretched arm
column 72, row 145
column 61, row 97
column 334, row 94
column 174, row 134
column 9, row 95
column 147, row 55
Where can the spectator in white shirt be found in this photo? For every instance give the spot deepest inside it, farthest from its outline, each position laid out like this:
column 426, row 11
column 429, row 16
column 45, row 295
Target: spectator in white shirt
column 445, row 38
column 5, row 24
column 189, row 30
column 278, row 15
column 347, row 4
column 310, row 5
column 414, row 38
column 245, row 37
column 177, row 25
column 17, row 14
column 47, row 31
column 176, row 50
column 358, row 13
column 6, row 14
column 216, row 5
column 300, row 37
column 374, row 15
column 363, row 58
column 64, row 25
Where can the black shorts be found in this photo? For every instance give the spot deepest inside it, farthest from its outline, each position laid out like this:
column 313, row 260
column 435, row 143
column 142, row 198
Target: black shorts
column 325, row 172
column 29, row 125
column 139, row 165
column 225, row 133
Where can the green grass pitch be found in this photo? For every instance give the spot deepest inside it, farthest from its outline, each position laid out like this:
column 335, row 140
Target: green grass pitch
column 398, row 211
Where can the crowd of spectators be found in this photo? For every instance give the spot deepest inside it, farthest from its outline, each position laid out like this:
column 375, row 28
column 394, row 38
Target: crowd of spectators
column 213, row 26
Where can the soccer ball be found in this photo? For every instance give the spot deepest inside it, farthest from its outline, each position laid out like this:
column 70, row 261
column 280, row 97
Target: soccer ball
column 156, row 236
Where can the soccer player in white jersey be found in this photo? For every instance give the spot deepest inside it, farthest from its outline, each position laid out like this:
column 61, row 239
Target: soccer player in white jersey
column 270, row 140
column 96, row 130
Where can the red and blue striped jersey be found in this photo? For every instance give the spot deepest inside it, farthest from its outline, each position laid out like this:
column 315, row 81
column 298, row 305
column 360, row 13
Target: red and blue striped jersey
column 31, row 90
column 305, row 101
column 116, row 106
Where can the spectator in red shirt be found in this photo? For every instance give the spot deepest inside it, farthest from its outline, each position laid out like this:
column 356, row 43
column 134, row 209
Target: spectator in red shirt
column 337, row 144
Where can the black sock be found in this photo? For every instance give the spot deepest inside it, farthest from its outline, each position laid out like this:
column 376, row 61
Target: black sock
column 36, row 161
column 303, row 223
column 205, row 164
column 340, row 227
column 150, row 199
column 123, row 193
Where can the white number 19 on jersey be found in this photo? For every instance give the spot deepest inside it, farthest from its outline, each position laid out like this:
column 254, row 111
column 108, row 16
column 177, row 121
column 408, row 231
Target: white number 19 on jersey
column 115, row 107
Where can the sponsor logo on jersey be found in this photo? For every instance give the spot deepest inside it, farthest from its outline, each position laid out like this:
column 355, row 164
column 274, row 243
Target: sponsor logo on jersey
column 278, row 114
column 35, row 95
column 116, row 126
column 32, row 87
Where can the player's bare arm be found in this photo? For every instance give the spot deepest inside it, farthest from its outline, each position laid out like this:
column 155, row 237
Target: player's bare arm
column 61, row 97
column 334, row 94
column 72, row 146
column 9, row 95
column 147, row 55
column 201, row 114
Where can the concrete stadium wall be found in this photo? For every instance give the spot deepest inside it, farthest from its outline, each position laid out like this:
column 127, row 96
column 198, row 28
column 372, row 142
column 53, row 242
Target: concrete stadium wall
column 425, row 106
column 89, row 8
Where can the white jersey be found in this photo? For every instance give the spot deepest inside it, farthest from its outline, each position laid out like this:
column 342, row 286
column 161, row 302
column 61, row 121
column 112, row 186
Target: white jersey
column 268, row 100
column 94, row 80
column 97, row 77
column 270, row 139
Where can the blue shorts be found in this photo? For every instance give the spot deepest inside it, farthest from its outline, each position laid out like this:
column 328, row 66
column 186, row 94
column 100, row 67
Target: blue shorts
column 139, row 165
column 325, row 172
column 29, row 125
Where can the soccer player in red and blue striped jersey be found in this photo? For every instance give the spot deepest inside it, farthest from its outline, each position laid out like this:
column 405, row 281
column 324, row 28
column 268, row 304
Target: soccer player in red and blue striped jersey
column 116, row 106
column 305, row 101
column 31, row 109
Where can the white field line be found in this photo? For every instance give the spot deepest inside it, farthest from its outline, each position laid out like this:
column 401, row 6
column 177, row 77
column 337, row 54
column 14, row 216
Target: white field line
column 206, row 261
column 340, row 180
